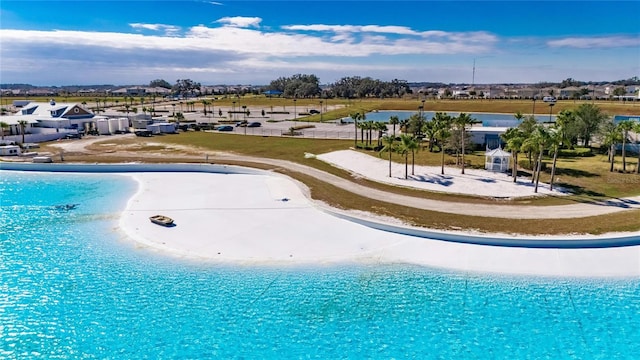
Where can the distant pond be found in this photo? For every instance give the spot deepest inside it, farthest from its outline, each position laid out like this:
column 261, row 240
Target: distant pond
column 487, row 119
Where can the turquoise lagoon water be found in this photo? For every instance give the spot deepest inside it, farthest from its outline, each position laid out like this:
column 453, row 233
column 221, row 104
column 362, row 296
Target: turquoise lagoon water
column 72, row 286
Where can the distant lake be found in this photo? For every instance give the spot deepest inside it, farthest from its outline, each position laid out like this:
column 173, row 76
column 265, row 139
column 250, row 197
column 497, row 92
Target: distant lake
column 487, row 119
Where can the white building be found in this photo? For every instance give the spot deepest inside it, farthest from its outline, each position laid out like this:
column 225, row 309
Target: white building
column 48, row 121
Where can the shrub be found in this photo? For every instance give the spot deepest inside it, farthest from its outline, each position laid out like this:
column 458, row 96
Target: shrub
column 577, row 152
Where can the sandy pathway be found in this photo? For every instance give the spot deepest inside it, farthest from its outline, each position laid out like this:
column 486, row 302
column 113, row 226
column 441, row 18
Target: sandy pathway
column 486, row 210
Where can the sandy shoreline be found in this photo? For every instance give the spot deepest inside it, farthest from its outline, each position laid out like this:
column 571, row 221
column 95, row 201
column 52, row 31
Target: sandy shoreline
column 243, row 219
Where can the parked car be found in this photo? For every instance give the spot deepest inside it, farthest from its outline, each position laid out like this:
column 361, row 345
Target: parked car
column 254, row 124
column 143, row 133
column 225, row 128
column 241, row 123
column 314, row 112
column 549, row 99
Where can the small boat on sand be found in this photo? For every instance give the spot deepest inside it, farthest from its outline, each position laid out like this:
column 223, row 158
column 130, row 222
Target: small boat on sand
column 161, row 220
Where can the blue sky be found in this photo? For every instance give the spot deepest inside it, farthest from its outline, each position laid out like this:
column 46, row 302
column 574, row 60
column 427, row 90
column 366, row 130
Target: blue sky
column 253, row 42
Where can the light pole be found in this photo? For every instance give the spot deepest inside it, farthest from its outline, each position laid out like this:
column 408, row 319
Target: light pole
column 295, row 115
column 550, row 109
column 533, row 112
column 320, row 110
column 419, row 130
column 244, row 118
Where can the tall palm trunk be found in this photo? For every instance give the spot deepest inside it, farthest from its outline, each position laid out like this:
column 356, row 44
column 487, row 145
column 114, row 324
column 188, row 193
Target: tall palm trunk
column 553, row 167
column 624, row 153
column 442, row 162
column 515, row 166
column 612, row 151
column 539, row 168
column 355, row 134
column 406, row 166
column 413, row 162
column 638, row 148
column 462, row 137
column 390, row 162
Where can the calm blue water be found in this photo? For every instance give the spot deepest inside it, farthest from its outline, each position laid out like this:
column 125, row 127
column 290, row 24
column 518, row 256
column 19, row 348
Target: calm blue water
column 72, row 287
column 506, row 120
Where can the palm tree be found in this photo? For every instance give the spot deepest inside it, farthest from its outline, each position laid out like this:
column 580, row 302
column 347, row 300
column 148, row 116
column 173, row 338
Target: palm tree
column 442, row 126
column 404, row 125
column 369, row 127
column 462, row 121
column 381, row 128
column 429, row 131
column 394, row 120
column 589, row 119
column 414, row 146
column 636, row 128
column 3, row 125
column 542, row 138
column 556, row 138
column 389, row 146
column 624, row 127
column 528, row 127
column 610, row 138
column 514, row 137
column 204, row 105
column 178, row 117
column 518, row 115
column 23, row 125
column 356, row 116
column 406, row 145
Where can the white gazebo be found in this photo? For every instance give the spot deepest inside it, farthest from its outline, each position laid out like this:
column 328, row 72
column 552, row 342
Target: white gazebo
column 497, row 160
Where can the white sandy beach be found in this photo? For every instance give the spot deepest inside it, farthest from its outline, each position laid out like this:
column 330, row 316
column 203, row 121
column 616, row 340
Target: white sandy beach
column 243, row 219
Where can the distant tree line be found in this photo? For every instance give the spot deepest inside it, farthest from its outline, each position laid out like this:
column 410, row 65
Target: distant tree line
column 306, row 86
column 576, row 83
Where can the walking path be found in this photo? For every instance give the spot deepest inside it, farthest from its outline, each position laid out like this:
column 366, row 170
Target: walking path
column 576, row 210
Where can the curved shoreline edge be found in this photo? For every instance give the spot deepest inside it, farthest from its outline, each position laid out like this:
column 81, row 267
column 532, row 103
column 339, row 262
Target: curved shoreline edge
column 556, row 242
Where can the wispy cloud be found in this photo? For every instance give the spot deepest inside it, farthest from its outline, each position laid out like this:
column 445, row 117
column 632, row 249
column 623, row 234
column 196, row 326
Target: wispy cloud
column 167, row 29
column 400, row 30
column 602, row 42
column 240, row 21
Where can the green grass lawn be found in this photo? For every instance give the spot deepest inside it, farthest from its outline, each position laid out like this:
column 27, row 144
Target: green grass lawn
column 589, row 177
column 588, row 174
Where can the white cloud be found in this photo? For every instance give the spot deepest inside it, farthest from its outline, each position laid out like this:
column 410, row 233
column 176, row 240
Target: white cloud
column 238, row 49
column 240, row 21
column 596, row 42
column 400, row 30
column 168, row 29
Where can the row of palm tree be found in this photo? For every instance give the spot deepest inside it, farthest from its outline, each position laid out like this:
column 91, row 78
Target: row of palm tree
column 439, row 130
column 535, row 138
column 614, row 134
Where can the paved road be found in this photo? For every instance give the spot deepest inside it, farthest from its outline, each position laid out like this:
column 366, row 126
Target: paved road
column 487, row 210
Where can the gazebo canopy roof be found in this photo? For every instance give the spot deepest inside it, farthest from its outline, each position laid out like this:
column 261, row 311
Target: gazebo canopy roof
column 497, row 152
